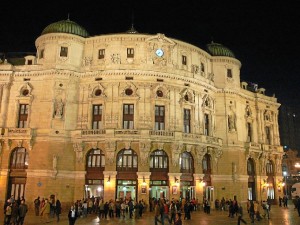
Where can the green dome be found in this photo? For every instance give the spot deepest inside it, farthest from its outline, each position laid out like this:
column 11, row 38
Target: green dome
column 66, row 26
column 216, row 49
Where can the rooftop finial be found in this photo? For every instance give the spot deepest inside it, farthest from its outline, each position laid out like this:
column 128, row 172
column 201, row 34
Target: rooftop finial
column 68, row 16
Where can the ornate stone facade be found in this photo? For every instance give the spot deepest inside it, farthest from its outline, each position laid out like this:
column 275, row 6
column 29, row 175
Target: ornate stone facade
column 48, row 109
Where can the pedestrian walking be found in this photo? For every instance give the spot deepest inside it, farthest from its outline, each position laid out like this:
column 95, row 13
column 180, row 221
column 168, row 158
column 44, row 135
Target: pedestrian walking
column 72, row 215
column 37, row 204
column 240, row 215
column 178, row 220
column 45, row 211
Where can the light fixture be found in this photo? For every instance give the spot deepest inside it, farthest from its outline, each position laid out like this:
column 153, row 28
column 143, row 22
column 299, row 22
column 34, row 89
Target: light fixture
column 202, row 182
column 144, row 181
column 108, row 180
column 176, row 179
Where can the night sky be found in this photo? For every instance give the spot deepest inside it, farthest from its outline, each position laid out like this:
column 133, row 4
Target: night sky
column 264, row 35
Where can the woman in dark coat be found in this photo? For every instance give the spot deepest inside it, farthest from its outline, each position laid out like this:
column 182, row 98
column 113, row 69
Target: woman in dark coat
column 57, row 209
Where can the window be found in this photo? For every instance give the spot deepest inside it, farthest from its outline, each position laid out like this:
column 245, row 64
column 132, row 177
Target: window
column 206, row 124
column 97, row 117
column 206, row 164
column 127, row 160
column 250, row 167
column 269, row 168
column 130, row 52
column 42, row 54
column 159, row 117
column 202, row 67
column 23, row 116
column 128, row 116
column 95, row 159
column 187, row 120
column 186, row 163
column 249, row 132
column 101, row 53
column 229, row 73
column 19, row 159
column 183, row 60
column 29, row 62
column 63, row 51
column 268, row 136
column 158, row 161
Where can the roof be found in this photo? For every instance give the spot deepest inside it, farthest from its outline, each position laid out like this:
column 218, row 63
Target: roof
column 66, row 26
column 216, row 49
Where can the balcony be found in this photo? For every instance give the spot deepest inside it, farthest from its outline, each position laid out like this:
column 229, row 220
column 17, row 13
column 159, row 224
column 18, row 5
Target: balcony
column 95, row 132
column 252, row 145
column 161, row 133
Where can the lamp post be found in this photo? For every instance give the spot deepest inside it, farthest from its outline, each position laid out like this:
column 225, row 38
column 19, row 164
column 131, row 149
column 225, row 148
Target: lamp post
column 284, row 186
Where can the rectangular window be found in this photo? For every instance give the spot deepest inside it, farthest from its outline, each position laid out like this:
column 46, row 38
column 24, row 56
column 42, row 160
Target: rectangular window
column 206, row 124
column 130, row 52
column 97, row 117
column 23, row 116
column 101, row 53
column 187, row 120
column 249, row 137
column 29, row 62
column 128, row 116
column 63, row 51
column 268, row 136
column 229, row 73
column 183, row 60
column 159, row 117
column 202, row 67
column 41, row 54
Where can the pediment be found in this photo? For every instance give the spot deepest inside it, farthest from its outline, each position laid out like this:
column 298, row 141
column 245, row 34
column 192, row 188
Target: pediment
column 160, row 40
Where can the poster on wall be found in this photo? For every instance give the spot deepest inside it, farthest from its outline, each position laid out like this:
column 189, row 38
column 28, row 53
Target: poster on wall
column 144, row 190
column 174, row 190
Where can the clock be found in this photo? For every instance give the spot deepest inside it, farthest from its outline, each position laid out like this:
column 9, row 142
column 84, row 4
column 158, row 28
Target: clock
column 159, row 52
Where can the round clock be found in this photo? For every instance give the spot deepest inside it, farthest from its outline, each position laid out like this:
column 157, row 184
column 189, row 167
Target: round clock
column 159, row 52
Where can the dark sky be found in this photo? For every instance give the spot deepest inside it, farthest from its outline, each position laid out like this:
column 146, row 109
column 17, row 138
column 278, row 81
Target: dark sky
column 264, row 35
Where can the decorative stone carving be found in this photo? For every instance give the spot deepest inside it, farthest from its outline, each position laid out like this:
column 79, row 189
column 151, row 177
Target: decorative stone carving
column 176, row 150
column 144, row 152
column 59, row 108
column 278, row 161
column 234, row 174
column 116, row 59
column 78, row 149
column 127, row 145
column 110, row 147
column 87, row 61
column 218, row 153
column 200, row 152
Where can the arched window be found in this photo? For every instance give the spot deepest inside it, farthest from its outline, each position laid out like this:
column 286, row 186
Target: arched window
column 186, row 163
column 19, row 159
column 206, row 164
column 96, row 159
column 270, row 168
column 250, row 167
column 127, row 160
column 158, row 161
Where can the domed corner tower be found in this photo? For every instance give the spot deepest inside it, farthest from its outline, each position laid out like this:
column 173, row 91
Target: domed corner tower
column 225, row 67
column 61, row 45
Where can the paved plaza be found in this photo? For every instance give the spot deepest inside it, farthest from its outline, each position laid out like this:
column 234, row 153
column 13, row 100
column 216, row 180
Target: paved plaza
column 279, row 216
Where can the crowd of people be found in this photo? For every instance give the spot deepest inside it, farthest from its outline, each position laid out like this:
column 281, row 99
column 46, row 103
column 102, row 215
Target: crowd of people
column 164, row 209
column 15, row 211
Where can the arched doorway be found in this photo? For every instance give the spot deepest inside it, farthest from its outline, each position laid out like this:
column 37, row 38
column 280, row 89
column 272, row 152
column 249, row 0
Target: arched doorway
column 159, row 168
column 208, row 189
column 251, row 179
column 270, row 181
column 187, row 188
column 94, row 178
column 127, row 167
column 17, row 175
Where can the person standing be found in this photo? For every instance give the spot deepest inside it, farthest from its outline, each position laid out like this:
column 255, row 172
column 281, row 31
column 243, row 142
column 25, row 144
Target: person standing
column 72, row 215
column 14, row 213
column 156, row 213
column 298, row 206
column 23, row 209
column 37, row 204
column 251, row 211
column 45, row 211
column 57, row 210
column 8, row 211
column 240, row 215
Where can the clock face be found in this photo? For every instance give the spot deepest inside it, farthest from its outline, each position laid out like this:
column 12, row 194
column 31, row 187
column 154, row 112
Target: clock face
column 159, row 52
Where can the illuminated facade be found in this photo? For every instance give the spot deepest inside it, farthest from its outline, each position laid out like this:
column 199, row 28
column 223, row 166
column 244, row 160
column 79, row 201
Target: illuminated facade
column 134, row 115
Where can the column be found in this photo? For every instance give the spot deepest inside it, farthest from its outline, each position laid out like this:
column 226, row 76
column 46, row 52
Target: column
column 4, row 106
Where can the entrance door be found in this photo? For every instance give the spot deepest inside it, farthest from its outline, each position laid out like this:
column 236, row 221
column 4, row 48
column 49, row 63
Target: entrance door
column 209, row 193
column 159, row 192
column 126, row 189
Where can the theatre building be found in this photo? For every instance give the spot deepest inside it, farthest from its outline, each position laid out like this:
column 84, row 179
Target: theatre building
column 133, row 115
